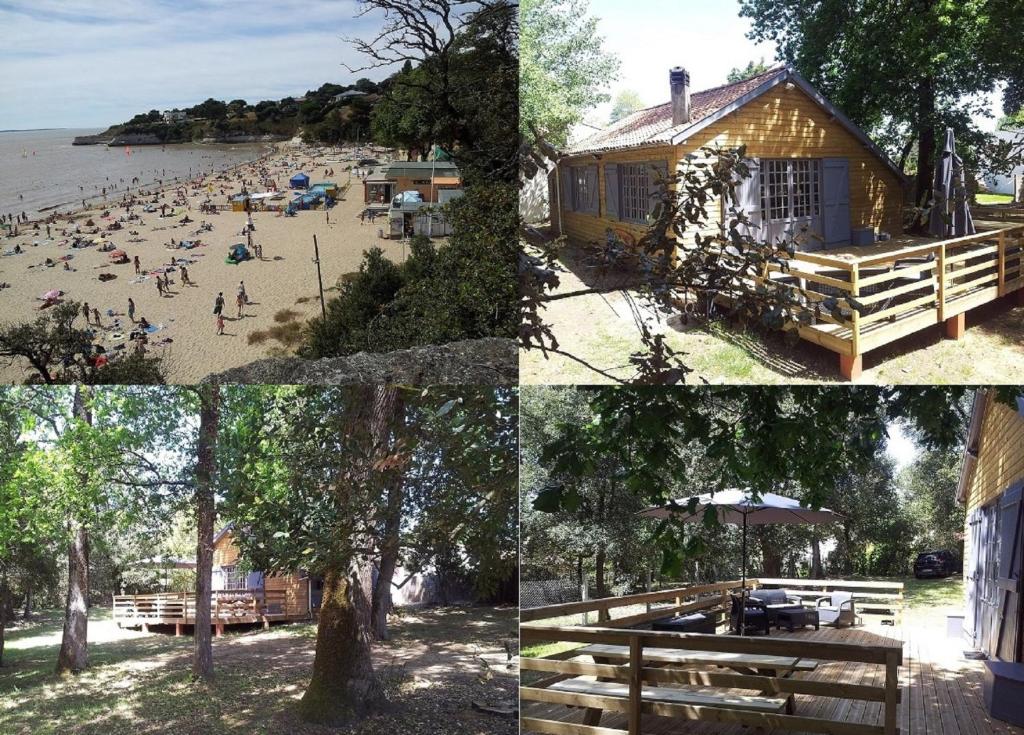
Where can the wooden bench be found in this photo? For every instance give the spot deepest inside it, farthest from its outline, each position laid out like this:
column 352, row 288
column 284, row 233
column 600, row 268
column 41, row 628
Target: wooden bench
column 581, row 685
column 676, row 656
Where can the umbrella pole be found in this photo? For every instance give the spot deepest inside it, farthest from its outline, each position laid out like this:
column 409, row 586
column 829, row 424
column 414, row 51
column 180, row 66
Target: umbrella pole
column 743, row 584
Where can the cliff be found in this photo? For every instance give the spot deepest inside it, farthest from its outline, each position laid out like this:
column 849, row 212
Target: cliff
column 491, row 361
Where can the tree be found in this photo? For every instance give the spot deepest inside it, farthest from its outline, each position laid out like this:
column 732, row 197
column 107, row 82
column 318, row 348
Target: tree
column 626, row 102
column 752, row 69
column 564, row 71
column 209, row 416
column 944, row 53
column 60, row 352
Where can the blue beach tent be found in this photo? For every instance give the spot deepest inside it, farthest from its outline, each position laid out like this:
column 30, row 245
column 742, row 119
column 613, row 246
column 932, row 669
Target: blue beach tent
column 299, row 181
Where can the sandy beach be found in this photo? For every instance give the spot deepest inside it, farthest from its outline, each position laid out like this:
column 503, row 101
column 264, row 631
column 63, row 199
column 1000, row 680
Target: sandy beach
column 186, row 336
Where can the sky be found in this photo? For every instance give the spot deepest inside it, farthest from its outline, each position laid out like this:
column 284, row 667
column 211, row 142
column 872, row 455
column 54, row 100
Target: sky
column 93, row 63
column 706, row 37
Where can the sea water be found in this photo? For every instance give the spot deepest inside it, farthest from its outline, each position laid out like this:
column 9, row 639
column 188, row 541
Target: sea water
column 48, row 172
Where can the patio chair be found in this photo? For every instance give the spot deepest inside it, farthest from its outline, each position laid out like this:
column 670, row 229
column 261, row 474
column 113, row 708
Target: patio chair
column 837, row 609
column 755, row 615
column 776, row 600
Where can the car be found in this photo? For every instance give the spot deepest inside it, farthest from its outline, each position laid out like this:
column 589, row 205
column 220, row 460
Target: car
column 935, row 564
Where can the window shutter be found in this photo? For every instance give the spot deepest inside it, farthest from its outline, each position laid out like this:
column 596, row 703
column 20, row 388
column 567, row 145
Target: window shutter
column 592, row 195
column 657, row 173
column 1006, row 645
column 567, row 189
column 748, row 199
column 611, row 189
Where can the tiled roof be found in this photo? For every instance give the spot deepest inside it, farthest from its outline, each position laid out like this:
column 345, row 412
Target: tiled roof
column 654, row 124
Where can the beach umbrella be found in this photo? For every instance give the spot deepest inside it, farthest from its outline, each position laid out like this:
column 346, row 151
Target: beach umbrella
column 738, row 507
column 949, row 216
column 115, row 254
column 53, row 294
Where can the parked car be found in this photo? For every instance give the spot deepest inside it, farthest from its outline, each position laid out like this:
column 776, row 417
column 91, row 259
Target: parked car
column 935, row 564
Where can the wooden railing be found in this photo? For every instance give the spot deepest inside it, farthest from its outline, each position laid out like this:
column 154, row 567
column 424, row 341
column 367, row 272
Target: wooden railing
column 638, row 673
column 883, row 599
column 224, row 605
column 708, row 598
column 885, row 296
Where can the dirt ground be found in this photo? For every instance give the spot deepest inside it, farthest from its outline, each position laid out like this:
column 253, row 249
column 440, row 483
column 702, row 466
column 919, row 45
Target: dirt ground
column 600, row 333
column 139, row 683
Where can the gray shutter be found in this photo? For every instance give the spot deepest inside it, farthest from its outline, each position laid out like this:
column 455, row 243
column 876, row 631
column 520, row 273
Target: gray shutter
column 658, row 173
column 590, row 172
column 611, row 190
column 748, row 200
column 254, row 581
column 1006, row 641
column 566, row 182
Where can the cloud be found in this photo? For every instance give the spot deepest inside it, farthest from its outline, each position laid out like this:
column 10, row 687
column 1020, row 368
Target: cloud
column 90, row 64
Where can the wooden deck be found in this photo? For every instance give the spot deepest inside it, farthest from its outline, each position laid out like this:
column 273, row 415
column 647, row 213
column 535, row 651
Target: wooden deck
column 891, row 289
column 941, row 691
column 227, row 607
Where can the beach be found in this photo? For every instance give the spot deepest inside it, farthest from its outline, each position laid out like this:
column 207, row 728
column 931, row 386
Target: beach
column 281, row 287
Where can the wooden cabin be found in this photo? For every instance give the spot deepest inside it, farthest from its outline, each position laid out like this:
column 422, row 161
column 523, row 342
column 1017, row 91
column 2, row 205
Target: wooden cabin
column 991, row 482
column 238, row 596
column 813, row 170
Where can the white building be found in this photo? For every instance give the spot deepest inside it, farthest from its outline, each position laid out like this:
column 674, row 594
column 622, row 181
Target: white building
column 174, row 116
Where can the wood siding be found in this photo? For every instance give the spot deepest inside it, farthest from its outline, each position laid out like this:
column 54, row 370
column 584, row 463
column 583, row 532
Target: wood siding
column 1000, row 455
column 225, row 551
column 782, row 123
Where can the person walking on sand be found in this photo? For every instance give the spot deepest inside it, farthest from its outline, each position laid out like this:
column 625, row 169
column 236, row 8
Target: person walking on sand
column 138, row 266
column 220, row 324
column 242, row 293
column 218, row 305
column 96, row 316
column 85, row 311
column 131, row 309
column 184, row 277
column 240, row 301
column 159, row 287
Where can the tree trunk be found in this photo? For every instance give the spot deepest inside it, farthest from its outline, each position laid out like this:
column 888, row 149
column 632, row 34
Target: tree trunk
column 389, row 549
column 925, row 140
column 3, row 614
column 816, row 558
column 28, row 603
column 74, row 653
column 343, row 688
column 209, row 417
column 599, row 563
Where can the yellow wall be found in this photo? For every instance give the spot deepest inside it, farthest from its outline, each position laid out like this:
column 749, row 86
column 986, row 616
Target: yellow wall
column 781, row 123
column 1000, row 455
column 226, row 552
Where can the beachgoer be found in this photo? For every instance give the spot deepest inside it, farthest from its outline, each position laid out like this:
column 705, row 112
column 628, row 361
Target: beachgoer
column 240, row 301
column 220, row 324
column 96, row 316
column 218, row 304
column 85, row 311
column 241, row 291
column 159, row 286
column 138, row 267
column 184, row 276
column 131, row 309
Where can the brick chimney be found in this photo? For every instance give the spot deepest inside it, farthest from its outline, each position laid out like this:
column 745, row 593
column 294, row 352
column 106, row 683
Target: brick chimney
column 679, row 81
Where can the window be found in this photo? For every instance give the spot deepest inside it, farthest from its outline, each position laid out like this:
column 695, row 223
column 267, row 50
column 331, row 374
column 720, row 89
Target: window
column 790, row 189
column 234, row 578
column 583, row 188
column 635, row 182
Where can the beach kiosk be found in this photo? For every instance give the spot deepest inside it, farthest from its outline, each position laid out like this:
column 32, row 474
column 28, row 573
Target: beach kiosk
column 410, row 215
column 299, row 181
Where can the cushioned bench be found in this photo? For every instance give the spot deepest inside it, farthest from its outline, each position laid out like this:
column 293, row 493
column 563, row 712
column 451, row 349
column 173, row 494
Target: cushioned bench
column 695, row 623
column 649, row 693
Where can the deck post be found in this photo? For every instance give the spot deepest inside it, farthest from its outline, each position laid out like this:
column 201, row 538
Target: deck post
column 177, row 630
column 855, row 315
column 636, row 672
column 942, row 281
column 1020, row 293
column 956, row 325
column 219, row 629
column 266, row 623
column 1001, row 280
column 851, row 366
column 892, row 683
column 145, row 627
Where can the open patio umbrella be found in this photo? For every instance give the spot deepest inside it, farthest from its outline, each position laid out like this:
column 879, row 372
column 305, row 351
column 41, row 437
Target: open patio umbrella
column 52, row 294
column 739, row 508
column 949, row 216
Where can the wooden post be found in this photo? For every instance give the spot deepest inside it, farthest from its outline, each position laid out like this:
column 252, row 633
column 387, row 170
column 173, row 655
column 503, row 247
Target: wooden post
column 177, row 630
column 266, row 623
column 855, row 315
column 942, row 282
column 1001, row 281
column 892, row 683
column 636, row 671
column 584, row 596
column 145, row 627
column 956, row 325
column 219, row 628
column 851, row 366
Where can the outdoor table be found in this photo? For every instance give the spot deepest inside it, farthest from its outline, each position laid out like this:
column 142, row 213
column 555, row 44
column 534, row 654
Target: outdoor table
column 797, row 617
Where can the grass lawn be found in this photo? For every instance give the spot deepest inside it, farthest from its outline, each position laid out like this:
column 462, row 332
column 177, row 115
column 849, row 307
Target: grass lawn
column 600, row 333
column 139, row 683
column 994, row 198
